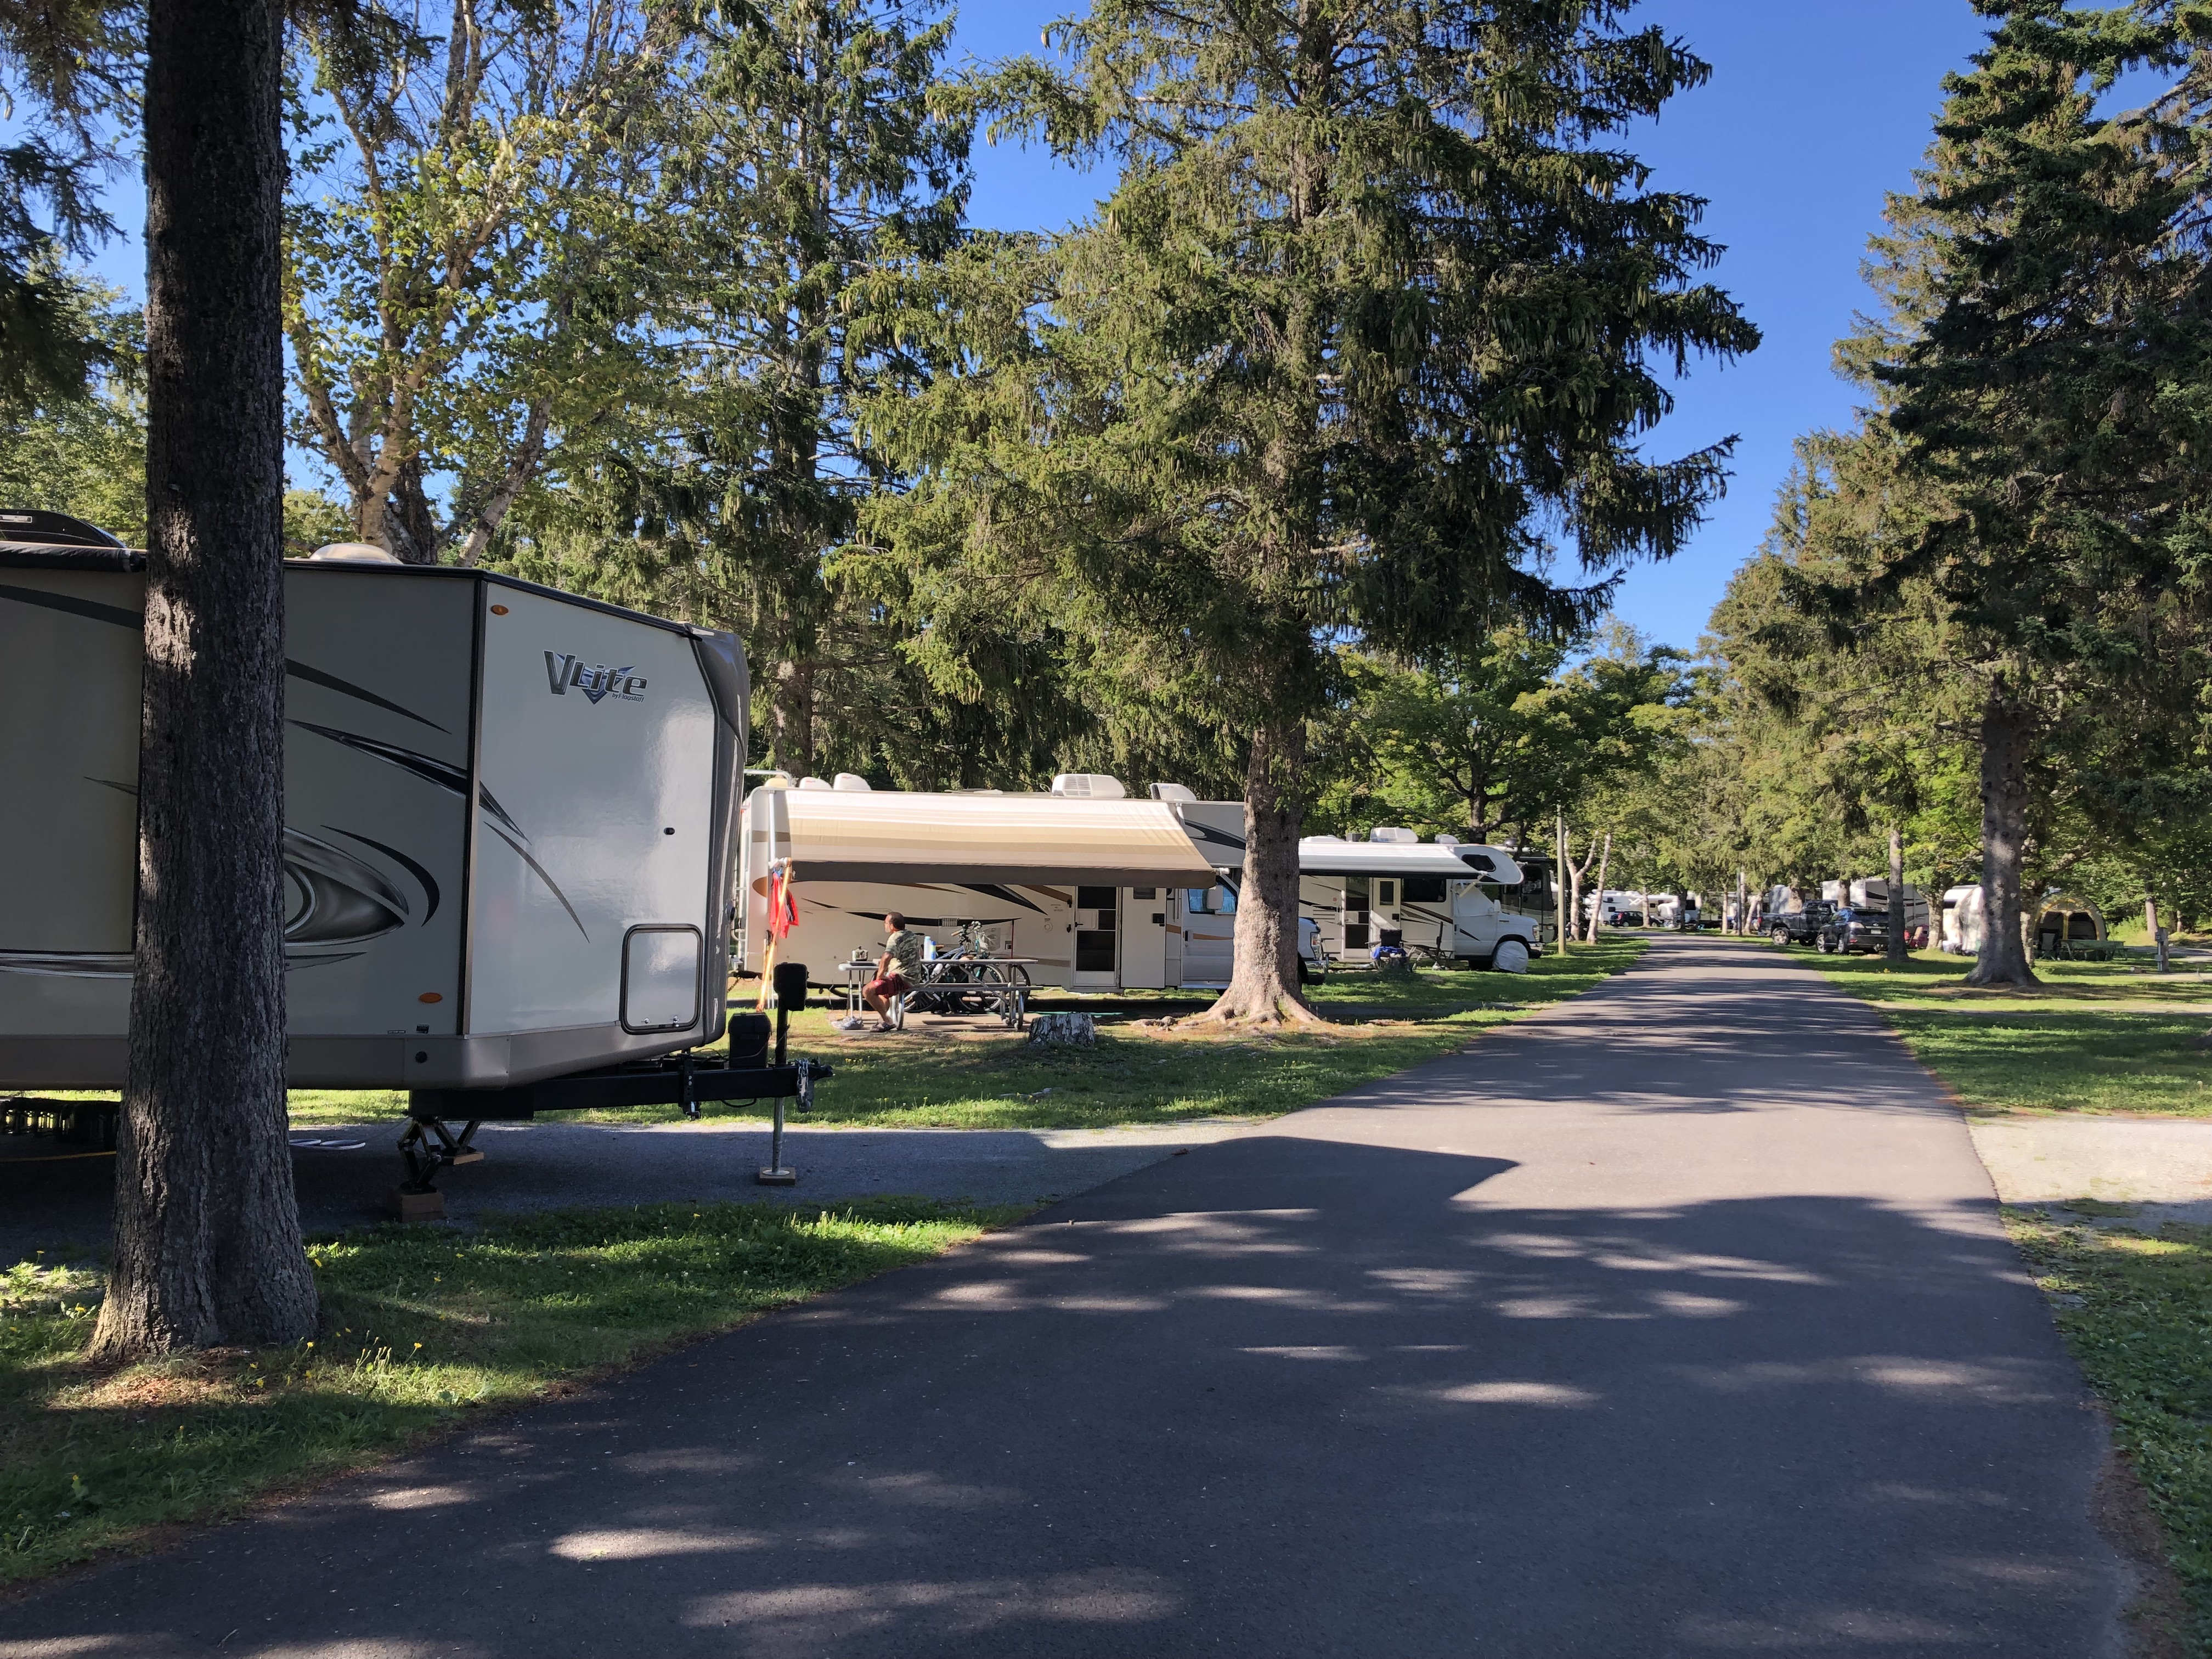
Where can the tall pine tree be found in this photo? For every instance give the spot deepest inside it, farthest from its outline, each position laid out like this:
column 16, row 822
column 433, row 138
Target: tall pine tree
column 2042, row 371
column 1379, row 294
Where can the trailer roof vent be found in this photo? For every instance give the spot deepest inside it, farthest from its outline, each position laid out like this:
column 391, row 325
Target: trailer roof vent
column 1176, row 792
column 1395, row 837
column 1088, row 786
column 29, row 527
column 812, row 783
column 351, row 553
column 1447, row 840
column 852, row 784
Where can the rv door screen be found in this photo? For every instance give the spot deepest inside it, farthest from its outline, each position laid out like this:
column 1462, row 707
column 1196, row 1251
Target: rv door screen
column 660, row 978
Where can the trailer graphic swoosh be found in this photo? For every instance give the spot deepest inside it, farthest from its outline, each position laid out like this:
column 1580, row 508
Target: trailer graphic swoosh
column 92, row 609
column 343, row 901
column 107, row 964
column 452, row 778
column 439, row 772
column 523, row 852
column 429, row 883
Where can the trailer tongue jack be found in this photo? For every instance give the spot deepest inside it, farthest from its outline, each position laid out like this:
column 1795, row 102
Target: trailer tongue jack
column 431, row 1146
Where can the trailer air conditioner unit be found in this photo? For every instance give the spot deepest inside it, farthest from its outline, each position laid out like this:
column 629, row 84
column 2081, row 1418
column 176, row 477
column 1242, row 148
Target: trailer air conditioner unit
column 852, row 783
column 1394, row 837
column 508, row 823
column 1088, row 786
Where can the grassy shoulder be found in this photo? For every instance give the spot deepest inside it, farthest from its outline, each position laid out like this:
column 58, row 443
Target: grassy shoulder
column 422, row 1325
column 2136, row 1311
column 2098, row 1037
column 974, row 1075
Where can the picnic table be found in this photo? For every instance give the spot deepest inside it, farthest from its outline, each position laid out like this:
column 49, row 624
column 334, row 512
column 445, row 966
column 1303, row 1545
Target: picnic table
column 952, row 985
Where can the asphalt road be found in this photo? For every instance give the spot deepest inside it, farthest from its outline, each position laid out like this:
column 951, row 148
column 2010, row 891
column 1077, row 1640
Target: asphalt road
column 1677, row 1321
column 55, row 1200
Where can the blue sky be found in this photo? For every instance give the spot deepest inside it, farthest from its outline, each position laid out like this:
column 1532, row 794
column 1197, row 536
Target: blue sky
column 1814, row 111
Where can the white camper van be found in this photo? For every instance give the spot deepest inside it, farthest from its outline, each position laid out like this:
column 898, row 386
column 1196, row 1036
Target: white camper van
column 508, row 822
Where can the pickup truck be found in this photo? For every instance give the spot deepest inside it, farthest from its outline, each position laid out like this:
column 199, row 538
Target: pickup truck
column 1800, row 927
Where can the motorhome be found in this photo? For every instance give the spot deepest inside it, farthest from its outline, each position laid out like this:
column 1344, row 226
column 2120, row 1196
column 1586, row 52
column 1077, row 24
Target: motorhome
column 1083, row 885
column 507, row 833
column 1091, row 889
column 1437, row 898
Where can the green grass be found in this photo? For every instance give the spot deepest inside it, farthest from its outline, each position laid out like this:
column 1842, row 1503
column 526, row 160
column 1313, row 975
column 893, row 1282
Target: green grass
column 2137, row 1313
column 937, row 1077
column 422, row 1325
column 1931, row 979
column 2053, row 1050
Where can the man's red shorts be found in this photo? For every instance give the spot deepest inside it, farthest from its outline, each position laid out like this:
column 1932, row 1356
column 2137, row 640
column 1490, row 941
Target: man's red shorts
column 892, row 984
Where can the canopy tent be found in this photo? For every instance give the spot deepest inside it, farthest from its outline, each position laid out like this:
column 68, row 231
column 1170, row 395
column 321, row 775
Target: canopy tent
column 2073, row 919
column 1326, row 855
column 895, row 837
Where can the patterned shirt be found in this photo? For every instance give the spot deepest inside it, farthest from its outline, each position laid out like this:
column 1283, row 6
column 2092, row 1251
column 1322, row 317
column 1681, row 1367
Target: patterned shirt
column 904, row 949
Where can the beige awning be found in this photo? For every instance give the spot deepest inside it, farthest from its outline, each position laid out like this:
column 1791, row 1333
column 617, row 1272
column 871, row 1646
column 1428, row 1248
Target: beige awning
column 833, row 836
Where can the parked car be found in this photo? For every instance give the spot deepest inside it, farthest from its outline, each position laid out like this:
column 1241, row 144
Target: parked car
column 1848, row 929
column 1800, row 927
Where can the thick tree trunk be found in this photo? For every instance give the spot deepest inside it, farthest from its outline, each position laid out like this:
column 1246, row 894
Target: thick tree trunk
column 2007, row 734
column 207, row 1226
column 1604, row 863
column 791, row 719
column 2158, row 934
column 1264, row 984
column 1895, row 951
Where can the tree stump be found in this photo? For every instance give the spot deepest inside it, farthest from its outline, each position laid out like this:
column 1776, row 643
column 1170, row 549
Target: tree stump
column 1063, row 1031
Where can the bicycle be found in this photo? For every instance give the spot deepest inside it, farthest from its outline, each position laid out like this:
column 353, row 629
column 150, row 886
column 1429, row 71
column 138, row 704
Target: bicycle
column 986, row 988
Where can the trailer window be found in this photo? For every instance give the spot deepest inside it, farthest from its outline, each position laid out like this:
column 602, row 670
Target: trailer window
column 1424, row 890
column 1386, row 893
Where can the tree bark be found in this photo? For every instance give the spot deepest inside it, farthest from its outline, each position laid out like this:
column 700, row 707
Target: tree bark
column 1575, row 873
column 1263, row 987
column 1895, row 951
column 791, row 719
column 1604, row 863
column 2007, row 734
column 2158, row 934
column 207, row 1226
column 1560, row 913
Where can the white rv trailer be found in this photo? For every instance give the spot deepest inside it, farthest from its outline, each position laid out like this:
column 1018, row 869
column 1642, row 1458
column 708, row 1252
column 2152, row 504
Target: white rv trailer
column 1964, row 923
column 1873, row 894
column 1082, row 884
column 508, row 816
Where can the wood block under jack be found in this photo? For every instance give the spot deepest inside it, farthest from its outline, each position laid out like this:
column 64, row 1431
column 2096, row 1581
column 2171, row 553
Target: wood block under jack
column 417, row 1206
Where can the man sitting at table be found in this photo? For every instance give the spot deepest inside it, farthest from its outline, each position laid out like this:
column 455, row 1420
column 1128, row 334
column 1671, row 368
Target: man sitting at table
column 902, row 951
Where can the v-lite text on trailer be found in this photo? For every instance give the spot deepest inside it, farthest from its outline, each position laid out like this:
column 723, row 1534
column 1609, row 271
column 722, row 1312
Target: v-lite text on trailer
column 595, row 680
